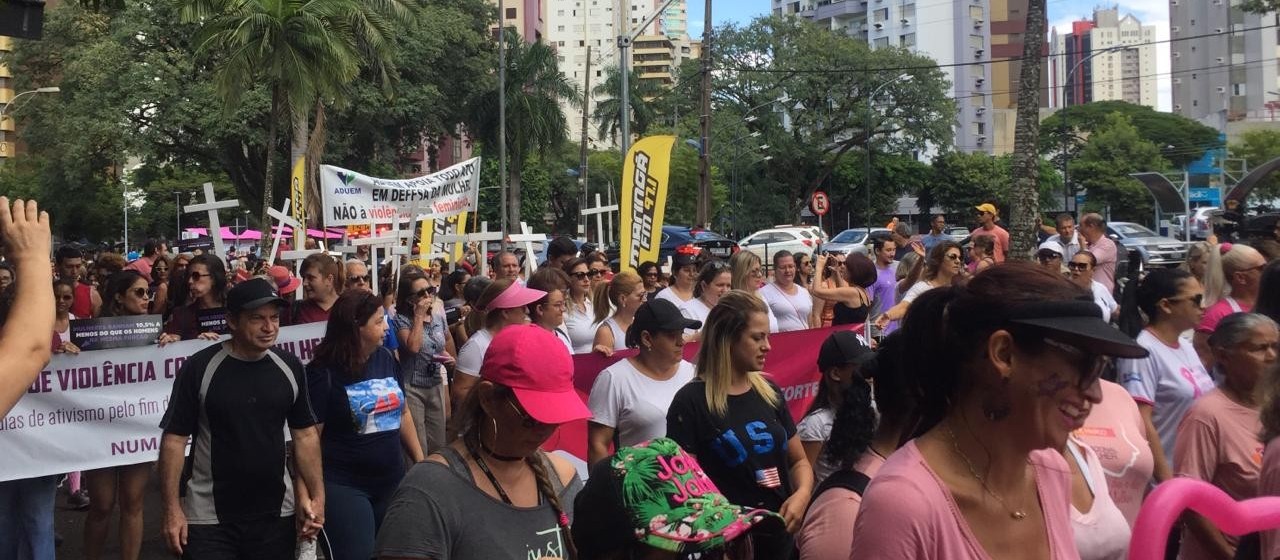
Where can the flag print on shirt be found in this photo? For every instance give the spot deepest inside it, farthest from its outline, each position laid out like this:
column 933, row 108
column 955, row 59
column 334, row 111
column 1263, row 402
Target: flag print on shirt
column 768, row 478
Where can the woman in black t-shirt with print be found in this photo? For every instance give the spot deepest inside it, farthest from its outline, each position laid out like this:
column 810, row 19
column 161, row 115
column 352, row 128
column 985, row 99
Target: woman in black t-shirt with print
column 736, row 422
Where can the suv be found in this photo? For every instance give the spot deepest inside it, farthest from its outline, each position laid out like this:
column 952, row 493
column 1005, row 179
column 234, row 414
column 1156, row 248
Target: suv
column 765, row 243
column 1201, row 222
column 854, row 240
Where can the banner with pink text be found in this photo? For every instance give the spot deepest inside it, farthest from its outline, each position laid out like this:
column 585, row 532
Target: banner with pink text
column 103, row 408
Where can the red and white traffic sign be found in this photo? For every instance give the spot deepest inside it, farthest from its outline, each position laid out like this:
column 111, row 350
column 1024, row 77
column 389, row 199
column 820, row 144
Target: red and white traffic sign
column 820, row 204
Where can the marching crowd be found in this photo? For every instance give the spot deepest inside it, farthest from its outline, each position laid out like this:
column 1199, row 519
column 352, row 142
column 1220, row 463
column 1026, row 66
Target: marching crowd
column 968, row 406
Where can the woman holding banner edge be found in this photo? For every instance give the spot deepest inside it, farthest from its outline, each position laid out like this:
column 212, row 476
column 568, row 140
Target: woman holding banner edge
column 125, row 293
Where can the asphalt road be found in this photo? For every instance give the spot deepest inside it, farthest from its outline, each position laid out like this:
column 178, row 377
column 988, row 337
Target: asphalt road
column 70, row 525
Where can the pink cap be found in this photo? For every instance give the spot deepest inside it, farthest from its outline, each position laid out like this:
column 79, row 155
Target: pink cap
column 284, row 280
column 515, row 296
column 537, row 367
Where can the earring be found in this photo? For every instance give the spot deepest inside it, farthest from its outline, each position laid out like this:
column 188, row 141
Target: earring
column 998, row 407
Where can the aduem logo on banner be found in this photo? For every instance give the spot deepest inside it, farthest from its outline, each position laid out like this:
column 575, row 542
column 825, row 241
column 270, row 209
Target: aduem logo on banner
column 352, row 198
column 644, row 200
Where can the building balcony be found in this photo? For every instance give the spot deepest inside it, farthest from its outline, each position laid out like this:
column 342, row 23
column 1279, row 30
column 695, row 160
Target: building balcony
column 841, row 9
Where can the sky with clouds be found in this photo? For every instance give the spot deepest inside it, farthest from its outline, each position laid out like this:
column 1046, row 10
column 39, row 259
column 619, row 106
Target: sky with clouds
column 1061, row 14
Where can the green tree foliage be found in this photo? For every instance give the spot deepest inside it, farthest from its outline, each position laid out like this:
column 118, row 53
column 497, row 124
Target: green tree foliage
column 1258, row 147
column 607, row 112
column 535, row 123
column 961, row 181
column 1103, row 167
column 891, row 176
column 1180, row 139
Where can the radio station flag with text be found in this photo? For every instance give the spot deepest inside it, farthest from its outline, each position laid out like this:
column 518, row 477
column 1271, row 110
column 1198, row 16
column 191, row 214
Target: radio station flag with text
column 352, row 198
column 298, row 196
column 644, row 200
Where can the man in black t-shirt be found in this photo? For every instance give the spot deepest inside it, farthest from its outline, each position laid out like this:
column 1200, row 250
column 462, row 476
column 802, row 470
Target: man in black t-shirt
column 233, row 399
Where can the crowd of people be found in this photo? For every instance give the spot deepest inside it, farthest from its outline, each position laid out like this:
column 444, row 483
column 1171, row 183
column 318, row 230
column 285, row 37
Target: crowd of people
column 969, row 404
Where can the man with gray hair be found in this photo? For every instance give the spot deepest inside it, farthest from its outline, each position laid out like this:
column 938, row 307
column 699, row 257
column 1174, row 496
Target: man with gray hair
column 357, row 275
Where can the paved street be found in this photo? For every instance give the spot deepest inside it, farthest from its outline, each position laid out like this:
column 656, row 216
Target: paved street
column 70, row 524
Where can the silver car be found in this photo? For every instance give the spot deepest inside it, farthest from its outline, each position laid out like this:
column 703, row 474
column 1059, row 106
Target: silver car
column 1155, row 249
column 853, row 241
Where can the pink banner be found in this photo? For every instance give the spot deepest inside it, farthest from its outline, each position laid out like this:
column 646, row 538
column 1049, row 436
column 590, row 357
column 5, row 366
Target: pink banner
column 792, row 363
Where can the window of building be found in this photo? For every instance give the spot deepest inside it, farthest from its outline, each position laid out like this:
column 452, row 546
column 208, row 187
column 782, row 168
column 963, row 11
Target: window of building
column 560, row 28
column 975, row 13
column 907, row 41
column 881, row 42
column 511, row 13
column 881, row 15
column 582, row 43
column 560, row 12
column 559, row 43
column 975, row 42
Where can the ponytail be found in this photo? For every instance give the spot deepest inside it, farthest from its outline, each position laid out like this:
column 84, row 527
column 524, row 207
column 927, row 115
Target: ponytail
column 600, row 302
column 853, row 427
column 929, row 368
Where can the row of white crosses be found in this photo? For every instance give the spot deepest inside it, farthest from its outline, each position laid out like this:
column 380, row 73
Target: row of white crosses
column 212, row 205
column 604, row 215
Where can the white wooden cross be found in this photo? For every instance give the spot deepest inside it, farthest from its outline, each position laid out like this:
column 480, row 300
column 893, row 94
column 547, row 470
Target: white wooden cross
column 482, row 239
column 527, row 238
column 282, row 219
column 450, row 241
column 597, row 211
column 212, row 205
column 390, row 242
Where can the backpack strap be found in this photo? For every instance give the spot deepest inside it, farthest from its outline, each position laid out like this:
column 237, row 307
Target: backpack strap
column 851, row 480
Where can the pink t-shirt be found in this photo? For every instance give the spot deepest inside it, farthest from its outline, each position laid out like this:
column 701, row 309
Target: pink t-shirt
column 825, row 533
column 1100, row 533
column 1105, row 251
column 1218, row 443
column 1002, row 240
column 908, row 512
column 1219, row 310
column 1116, row 433
column 1269, row 485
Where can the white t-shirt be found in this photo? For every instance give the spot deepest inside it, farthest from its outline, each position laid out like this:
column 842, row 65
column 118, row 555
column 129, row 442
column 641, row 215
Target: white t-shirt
column 1169, row 380
column 916, row 289
column 817, row 427
column 471, row 356
column 668, row 294
column 696, row 310
column 634, row 404
column 1102, row 296
column 792, row 311
column 580, row 326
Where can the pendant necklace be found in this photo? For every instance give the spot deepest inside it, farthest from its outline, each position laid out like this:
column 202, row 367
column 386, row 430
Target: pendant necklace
column 1017, row 515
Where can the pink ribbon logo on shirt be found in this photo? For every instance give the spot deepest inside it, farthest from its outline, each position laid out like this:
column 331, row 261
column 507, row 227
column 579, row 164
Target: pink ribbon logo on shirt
column 1190, row 376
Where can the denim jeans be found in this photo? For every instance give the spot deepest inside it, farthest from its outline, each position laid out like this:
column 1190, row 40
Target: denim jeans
column 351, row 518
column 26, row 518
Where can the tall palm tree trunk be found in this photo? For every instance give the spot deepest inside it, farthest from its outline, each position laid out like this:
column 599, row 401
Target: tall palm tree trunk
column 268, row 175
column 1024, row 212
column 513, row 195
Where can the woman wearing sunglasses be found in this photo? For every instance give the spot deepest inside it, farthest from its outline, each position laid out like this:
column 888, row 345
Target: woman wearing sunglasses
column 357, row 397
column 493, row 494
column 944, row 264
column 160, row 285
column 206, row 289
column 503, row 304
column 579, row 317
column 1172, row 377
column 124, row 294
column 1218, row 438
column 1002, row 371
column 425, row 348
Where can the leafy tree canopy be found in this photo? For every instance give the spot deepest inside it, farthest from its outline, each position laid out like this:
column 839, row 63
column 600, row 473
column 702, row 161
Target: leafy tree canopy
column 1180, row 139
column 1104, row 165
column 1258, row 147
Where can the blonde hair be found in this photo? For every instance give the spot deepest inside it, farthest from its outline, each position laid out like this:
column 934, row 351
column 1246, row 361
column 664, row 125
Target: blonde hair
column 741, row 263
column 725, row 325
column 622, row 285
column 1221, row 269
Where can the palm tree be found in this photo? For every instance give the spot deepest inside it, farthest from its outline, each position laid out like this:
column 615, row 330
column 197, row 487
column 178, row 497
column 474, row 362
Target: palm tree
column 535, row 86
column 1024, row 213
column 608, row 110
column 306, row 50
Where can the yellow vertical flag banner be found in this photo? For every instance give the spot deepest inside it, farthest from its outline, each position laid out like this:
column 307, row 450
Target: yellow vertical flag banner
column 644, row 200
column 426, row 232
column 298, row 193
column 453, row 225
column 459, row 228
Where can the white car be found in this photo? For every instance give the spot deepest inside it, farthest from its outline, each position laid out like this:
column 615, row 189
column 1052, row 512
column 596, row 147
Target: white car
column 1201, row 222
column 765, row 243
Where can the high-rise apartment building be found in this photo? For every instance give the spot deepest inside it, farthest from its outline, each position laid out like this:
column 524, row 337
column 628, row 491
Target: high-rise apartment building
column 957, row 35
column 1122, row 67
column 1228, row 71
column 7, row 137
column 656, row 54
column 525, row 16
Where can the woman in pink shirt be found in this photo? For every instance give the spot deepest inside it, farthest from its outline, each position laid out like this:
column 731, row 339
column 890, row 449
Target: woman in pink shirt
column 859, row 444
column 1117, row 434
column 1002, row 369
column 1218, row 439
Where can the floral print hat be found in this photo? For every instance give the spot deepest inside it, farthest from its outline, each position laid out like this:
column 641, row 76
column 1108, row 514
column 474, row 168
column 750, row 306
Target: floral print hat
column 656, row 494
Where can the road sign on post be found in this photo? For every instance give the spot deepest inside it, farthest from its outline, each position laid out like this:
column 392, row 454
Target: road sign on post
column 820, row 205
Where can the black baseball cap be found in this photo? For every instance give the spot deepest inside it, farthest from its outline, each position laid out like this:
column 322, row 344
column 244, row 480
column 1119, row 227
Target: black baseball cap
column 658, row 315
column 843, row 348
column 252, row 294
column 1081, row 321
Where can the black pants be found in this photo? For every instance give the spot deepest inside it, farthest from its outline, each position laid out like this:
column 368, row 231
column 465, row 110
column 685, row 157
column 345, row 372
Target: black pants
column 259, row 539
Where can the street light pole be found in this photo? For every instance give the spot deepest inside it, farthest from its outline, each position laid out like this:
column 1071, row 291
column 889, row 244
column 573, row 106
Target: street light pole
column 624, row 66
column 502, row 111
column 5, row 107
column 904, row 77
column 1067, row 192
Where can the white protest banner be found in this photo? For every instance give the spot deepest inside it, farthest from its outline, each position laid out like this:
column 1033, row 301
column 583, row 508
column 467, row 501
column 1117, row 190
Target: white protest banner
column 352, row 198
column 103, row 409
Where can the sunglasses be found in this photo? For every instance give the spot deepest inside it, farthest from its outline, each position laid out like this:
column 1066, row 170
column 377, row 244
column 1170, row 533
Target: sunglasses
column 197, row 275
column 140, row 293
column 1078, row 266
column 580, row 275
column 1047, row 258
column 1090, row 366
column 651, row 275
column 427, row 291
column 1196, row 299
column 953, row 256
column 361, row 279
column 596, row 272
column 525, row 420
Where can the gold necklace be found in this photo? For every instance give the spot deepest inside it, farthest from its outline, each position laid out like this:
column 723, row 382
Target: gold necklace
column 1017, row 515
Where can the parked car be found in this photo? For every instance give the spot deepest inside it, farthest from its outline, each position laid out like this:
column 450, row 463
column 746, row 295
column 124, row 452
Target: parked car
column 765, row 243
column 1201, row 222
column 710, row 242
column 815, row 230
column 1152, row 248
column 854, row 240
column 957, row 233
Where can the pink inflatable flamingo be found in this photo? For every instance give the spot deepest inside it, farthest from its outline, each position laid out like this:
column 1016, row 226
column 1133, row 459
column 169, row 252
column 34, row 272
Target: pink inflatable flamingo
column 1166, row 503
